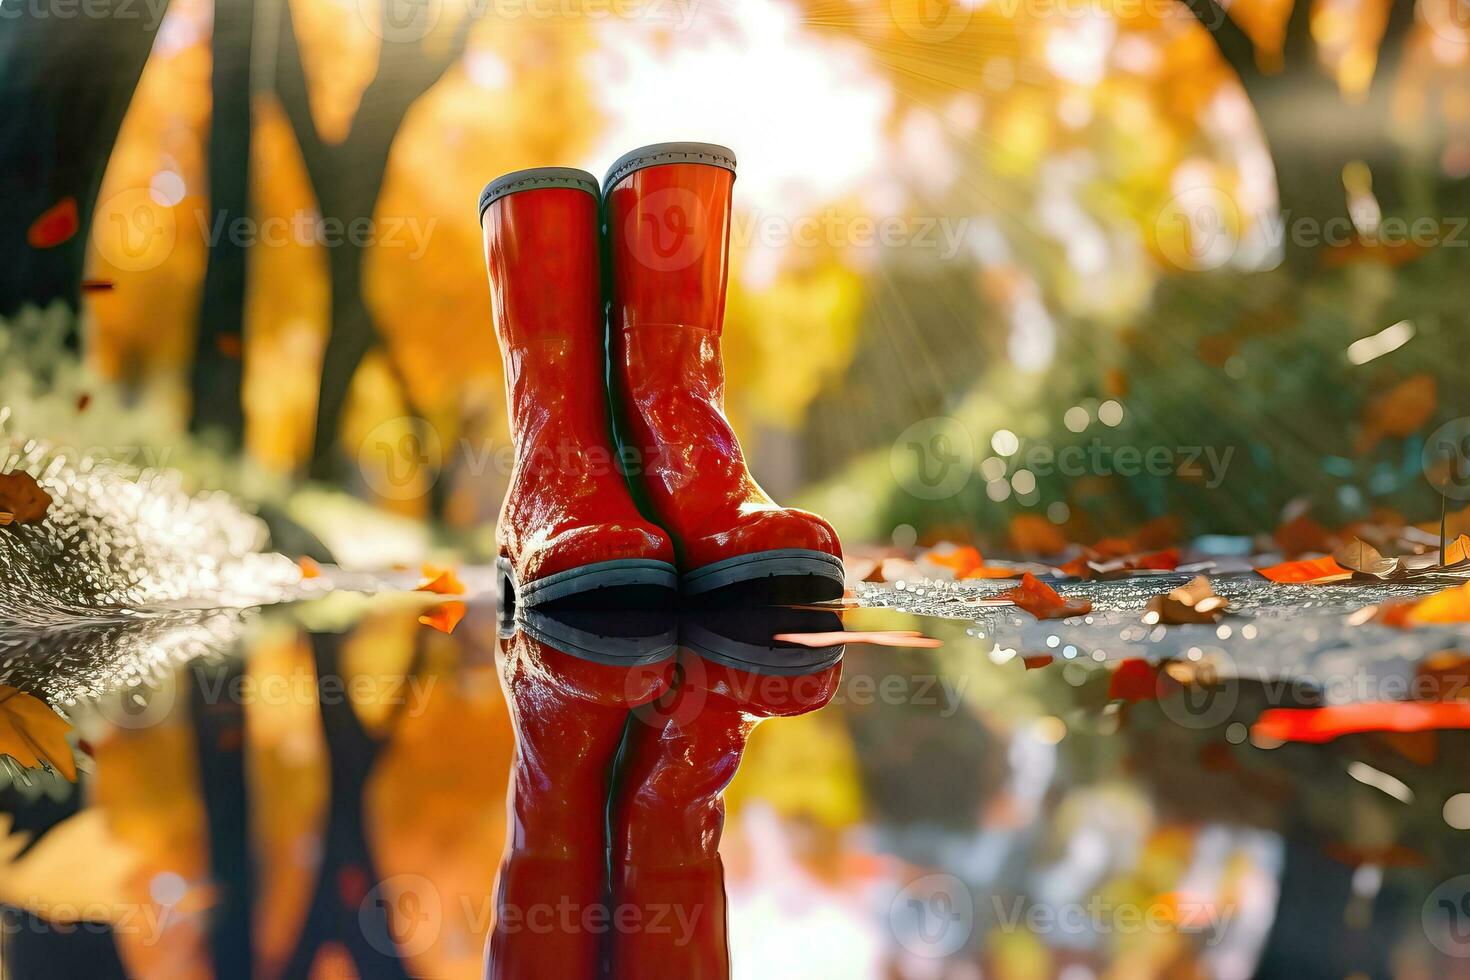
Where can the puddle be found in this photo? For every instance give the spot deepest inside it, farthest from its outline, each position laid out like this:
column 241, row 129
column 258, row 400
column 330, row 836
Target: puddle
column 333, row 786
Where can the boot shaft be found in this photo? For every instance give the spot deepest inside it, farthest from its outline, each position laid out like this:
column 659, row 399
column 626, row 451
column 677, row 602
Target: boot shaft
column 668, row 232
column 543, row 259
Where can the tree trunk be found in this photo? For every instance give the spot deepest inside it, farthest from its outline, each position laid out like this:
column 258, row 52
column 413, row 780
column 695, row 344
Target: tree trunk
column 67, row 83
column 217, row 375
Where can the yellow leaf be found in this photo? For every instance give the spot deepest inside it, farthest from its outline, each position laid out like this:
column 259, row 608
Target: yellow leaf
column 34, row 735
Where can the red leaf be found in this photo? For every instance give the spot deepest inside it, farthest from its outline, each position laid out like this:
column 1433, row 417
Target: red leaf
column 56, row 224
column 1134, row 680
column 1042, row 601
column 1307, row 572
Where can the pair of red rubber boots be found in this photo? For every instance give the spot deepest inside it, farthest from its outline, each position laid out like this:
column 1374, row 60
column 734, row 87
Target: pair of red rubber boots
column 608, row 305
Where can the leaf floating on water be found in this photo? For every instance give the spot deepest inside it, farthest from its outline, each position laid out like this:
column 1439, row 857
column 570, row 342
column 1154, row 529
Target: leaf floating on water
column 1134, row 680
column 1450, row 606
column 22, row 498
column 1400, row 411
column 1194, row 602
column 1042, row 601
column 445, row 616
column 1310, row 571
column 1361, row 557
column 34, row 735
column 440, row 581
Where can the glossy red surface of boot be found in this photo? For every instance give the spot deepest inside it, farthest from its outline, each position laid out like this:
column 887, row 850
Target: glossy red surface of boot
column 569, row 716
column 668, row 815
column 568, row 525
column 667, row 226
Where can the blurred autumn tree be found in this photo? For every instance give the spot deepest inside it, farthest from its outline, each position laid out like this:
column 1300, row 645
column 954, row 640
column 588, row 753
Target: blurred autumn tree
column 68, row 81
column 1191, row 216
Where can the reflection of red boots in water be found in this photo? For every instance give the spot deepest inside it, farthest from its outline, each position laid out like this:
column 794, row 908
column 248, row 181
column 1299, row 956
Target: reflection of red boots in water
column 568, row 526
column 569, row 715
column 667, row 229
column 617, row 751
column 668, row 815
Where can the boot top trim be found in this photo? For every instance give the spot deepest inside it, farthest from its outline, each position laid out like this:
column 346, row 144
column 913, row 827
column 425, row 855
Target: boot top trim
column 655, row 154
column 536, row 179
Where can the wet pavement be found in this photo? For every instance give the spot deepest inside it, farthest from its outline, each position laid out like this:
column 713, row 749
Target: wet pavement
column 333, row 787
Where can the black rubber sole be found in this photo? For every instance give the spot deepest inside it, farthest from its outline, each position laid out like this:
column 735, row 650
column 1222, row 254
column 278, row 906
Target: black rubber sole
column 783, row 576
column 624, row 582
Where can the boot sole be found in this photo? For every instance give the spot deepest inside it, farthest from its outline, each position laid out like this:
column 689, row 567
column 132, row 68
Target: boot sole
column 780, row 576
column 620, row 582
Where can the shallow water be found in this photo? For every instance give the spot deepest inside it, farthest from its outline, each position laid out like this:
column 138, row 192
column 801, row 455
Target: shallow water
column 336, row 783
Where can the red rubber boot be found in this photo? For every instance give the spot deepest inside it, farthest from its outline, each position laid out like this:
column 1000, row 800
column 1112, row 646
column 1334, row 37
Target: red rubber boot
column 568, row 528
column 667, row 225
column 570, row 713
column 668, row 898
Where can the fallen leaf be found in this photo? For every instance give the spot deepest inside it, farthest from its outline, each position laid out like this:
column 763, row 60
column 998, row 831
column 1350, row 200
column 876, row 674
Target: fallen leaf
column 6, row 517
column 34, row 735
column 959, row 559
column 1311, row 571
column 1037, row 661
column 1450, row 606
column 445, row 616
column 310, row 569
column 1134, row 680
column 440, row 581
column 1034, row 534
column 1360, row 556
column 1194, row 602
column 1326, row 724
column 1042, row 601
column 1400, row 411
column 1080, row 567
column 55, row 225
column 22, row 497
column 1302, row 535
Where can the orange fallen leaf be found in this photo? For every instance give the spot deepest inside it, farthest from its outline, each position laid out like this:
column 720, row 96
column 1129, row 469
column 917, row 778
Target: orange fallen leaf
column 960, row 559
column 1450, row 606
column 445, row 616
column 1311, row 571
column 1042, row 601
column 55, row 225
column 33, row 734
column 6, row 517
column 1034, row 534
column 1400, row 411
column 22, row 497
column 1079, row 567
column 440, row 581
column 1325, row 724
column 1301, row 534
column 1194, row 602
column 310, row 569
column 992, row 571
